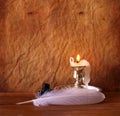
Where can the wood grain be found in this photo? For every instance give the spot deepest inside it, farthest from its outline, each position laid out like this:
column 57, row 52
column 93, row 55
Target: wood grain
column 38, row 37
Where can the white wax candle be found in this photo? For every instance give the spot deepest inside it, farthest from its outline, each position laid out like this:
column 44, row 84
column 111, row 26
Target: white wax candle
column 86, row 70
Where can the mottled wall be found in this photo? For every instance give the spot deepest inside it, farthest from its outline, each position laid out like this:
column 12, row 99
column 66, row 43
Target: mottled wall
column 37, row 37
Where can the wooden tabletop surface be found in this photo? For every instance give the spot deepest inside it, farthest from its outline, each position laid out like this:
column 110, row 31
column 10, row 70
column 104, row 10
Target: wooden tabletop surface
column 8, row 107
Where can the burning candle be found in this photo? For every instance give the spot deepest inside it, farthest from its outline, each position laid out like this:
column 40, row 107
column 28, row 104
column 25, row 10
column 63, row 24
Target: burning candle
column 81, row 67
column 78, row 66
column 77, row 63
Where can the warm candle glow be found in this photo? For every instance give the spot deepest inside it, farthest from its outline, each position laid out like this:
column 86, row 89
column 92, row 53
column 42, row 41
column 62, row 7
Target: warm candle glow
column 78, row 58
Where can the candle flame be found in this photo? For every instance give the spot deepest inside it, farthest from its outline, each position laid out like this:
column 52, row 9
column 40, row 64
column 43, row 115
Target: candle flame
column 78, row 58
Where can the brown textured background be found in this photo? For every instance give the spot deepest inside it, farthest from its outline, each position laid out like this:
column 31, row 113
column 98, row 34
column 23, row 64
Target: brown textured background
column 37, row 37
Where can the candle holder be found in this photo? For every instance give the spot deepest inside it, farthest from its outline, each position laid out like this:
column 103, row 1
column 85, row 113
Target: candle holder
column 79, row 76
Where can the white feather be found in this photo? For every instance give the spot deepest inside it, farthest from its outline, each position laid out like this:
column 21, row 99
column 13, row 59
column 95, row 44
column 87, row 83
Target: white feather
column 69, row 96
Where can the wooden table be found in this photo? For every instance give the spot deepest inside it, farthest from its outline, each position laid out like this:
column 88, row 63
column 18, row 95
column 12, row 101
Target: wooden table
column 110, row 107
